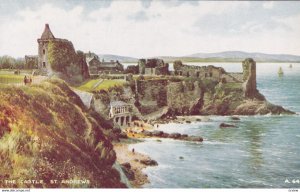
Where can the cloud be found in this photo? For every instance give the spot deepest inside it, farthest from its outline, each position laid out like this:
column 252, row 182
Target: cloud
column 134, row 28
column 268, row 4
column 139, row 16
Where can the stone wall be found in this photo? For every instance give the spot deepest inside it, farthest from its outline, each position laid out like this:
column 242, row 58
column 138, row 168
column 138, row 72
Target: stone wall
column 182, row 99
column 233, row 77
column 202, row 72
column 153, row 67
column 152, row 94
column 249, row 77
column 149, row 71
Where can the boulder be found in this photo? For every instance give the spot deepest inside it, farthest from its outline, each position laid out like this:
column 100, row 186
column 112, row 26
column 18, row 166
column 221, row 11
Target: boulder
column 174, row 135
column 194, row 138
column 157, row 133
column 225, row 125
column 149, row 162
column 123, row 135
column 126, row 167
column 147, row 133
column 184, row 135
column 165, row 135
column 235, row 118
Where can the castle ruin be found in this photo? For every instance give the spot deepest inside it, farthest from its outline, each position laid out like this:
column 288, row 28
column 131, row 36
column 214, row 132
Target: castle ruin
column 43, row 61
column 249, row 77
column 153, row 67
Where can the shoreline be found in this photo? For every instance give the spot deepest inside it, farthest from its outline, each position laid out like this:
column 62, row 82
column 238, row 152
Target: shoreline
column 130, row 161
column 127, row 156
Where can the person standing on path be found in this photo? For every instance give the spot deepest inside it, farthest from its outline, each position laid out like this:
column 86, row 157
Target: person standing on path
column 25, row 80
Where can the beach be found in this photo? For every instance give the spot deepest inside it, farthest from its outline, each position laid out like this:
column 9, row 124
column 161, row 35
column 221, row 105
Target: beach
column 131, row 159
column 125, row 155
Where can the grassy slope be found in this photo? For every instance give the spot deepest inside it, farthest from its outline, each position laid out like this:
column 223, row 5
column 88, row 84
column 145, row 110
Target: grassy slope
column 109, row 83
column 105, row 85
column 11, row 78
column 88, row 85
column 46, row 133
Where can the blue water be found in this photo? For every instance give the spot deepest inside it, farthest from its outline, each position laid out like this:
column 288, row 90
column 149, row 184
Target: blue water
column 262, row 152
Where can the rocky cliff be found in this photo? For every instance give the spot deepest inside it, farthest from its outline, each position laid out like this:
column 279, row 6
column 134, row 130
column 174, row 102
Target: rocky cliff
column 181, row 97
column 47, row 134
column 196, row 96
column 191, row 96
column 240, row 98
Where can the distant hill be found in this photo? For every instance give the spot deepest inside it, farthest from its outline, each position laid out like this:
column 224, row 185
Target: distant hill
column 226, row 56
column 108, row 57
column 239, row 56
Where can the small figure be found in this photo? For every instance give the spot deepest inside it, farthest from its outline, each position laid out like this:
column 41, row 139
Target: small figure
column 25, row 80
column 30, row 80
column 133, row 150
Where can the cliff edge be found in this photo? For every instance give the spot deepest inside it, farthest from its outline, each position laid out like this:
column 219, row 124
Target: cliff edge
column 47, row 134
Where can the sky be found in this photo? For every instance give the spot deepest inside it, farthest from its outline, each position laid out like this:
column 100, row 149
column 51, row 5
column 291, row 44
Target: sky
column 152, row 28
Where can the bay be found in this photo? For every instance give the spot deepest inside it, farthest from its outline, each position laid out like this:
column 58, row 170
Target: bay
column 262, row 152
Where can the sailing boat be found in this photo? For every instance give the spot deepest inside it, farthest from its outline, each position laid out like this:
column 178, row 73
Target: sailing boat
column 280, row 71
column 291, row 66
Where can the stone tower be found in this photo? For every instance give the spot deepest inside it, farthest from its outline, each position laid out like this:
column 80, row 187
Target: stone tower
column 249, row 77
column 43, row 62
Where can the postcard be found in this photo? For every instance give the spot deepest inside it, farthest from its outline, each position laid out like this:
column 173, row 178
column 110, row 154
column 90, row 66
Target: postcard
column 149, row 94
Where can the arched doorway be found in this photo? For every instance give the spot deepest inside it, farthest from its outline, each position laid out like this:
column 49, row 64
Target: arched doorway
column 122, row 121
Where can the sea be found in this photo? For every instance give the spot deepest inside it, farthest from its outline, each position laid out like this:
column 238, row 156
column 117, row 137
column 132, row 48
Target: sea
column 262, row 152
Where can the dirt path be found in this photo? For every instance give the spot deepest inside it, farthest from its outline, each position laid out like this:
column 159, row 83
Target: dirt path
column 98, row 83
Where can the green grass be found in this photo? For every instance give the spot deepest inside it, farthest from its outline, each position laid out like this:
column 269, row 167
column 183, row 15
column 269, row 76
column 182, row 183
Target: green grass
column 233, row 85
column 105, row 85
column 11, row 71
column 109, row 83
column 11, row 78
column 88, row 85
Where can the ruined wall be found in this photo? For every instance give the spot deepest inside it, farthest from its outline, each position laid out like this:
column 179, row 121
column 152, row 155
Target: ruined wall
column 162, row 70
column 249, row 77
column 202, row 72
column 152, row 94
column 183, row 98
column 142, row 65
column 153, row 67
column 149, row 71
column 180, row 97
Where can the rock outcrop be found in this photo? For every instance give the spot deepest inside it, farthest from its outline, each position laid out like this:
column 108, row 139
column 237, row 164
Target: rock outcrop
column 176, row 136
column 194, row 96
column 226, row 125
